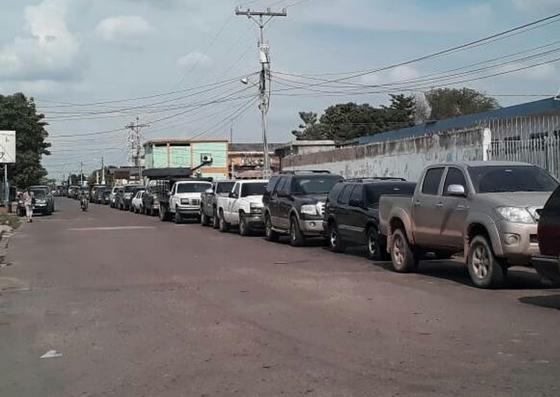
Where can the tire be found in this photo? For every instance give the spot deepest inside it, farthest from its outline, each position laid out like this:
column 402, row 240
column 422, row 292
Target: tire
column 335, row 241
column 204, row 221
column 163, row 214
column 177, row 218
column 402, row 256
column 296, row 238
column 224, row 226
column 243, row 227
column 215, row 221
column 269, row 233
column 375, row 250
column 485, row 269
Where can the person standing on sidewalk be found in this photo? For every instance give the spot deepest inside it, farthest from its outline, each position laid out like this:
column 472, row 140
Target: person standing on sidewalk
column 28, row 202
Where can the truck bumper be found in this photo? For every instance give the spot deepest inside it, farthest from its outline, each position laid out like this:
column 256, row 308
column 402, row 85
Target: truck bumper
column 519, row 242
column 312, row 227
column 189, row 212
column 547, row 267
column 255, row 221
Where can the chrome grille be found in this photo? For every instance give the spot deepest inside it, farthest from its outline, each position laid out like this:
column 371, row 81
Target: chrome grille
column 195, row 202
column 321, row 208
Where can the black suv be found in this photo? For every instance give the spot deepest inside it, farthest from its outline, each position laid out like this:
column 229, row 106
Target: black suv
column 352, row 213
column 294, row 203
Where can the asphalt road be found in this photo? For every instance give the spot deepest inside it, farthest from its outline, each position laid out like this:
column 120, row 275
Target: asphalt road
column 137, row 307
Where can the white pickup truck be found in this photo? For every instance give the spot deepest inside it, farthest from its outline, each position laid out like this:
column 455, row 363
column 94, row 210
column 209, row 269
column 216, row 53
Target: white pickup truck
column 184, row 199
column 243, row 207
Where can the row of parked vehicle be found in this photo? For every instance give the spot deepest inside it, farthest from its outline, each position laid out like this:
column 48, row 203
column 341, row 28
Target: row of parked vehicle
column 486, row 212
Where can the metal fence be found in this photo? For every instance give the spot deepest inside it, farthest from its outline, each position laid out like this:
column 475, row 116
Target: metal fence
column 543, row 151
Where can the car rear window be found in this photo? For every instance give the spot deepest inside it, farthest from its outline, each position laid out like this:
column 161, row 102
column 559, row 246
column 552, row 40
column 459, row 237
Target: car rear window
column 224, row 187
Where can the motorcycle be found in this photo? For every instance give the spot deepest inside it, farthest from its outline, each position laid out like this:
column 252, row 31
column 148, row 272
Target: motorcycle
column 84, row 204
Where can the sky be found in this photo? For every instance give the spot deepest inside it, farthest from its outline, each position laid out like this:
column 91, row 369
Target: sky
column 93, row 66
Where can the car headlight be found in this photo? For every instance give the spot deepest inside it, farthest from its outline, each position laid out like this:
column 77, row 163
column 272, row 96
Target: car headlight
column 309, row 209
column 515, row 214
column 41, row 201
column 256, row 208
column 185, row 201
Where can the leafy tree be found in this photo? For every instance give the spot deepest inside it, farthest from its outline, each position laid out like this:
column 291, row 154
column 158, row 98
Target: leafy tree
column 346, row 121
column 309, row 128
column 20, row 114
column 453, row 102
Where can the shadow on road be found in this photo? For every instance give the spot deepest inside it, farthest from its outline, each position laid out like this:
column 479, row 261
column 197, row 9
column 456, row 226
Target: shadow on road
column 550, row 301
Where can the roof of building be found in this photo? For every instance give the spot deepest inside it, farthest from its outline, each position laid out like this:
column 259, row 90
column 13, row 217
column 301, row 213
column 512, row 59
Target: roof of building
column 541, row 107
column 322, row 142
column 160, row 141
column 252, row 147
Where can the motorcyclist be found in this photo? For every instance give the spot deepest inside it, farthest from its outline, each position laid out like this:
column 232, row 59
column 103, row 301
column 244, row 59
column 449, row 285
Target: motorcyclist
column 83, row 200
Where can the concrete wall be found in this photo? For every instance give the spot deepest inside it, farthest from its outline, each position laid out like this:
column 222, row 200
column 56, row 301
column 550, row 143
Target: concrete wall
column 404, row 158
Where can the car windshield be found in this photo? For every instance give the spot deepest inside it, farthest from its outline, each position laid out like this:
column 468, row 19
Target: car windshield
column 253, row 189
column 129, row 189
column 193, row 187
column 314, row 184
column 224, row 187
column 40, row 193
column 375, row 191
column 500, row 179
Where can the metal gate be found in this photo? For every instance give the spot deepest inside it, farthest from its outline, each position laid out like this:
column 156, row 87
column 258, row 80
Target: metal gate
column 543, row 151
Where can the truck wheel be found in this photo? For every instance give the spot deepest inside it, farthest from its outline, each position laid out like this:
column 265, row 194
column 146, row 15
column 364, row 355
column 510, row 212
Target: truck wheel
column 403, row 257
column 296, row 238
column 484, row 268
column 269, row 233
column 335, row 241
column 162, row 214
column 243, row 228
column 375, row 251
column 215, row 220
column 204, row 221
column 178, row 218
column 224, row 226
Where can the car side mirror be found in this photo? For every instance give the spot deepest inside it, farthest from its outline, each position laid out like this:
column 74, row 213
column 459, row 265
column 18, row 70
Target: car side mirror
column 232, row 195
column 209, row 191
column 456, row 191
column 355, row 203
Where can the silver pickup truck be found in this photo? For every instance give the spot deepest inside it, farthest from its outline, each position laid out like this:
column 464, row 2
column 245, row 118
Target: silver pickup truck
column 487, row 211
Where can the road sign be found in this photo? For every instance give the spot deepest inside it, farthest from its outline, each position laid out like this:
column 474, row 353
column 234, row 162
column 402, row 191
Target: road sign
column 7, row 147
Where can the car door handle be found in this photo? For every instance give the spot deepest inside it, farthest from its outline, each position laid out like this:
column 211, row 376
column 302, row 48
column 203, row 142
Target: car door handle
column 439, row 205
column 417, row 204
column 461, row 208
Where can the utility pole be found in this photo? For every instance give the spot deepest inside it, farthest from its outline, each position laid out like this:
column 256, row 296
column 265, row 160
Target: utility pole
column 81, row 173
column 135, row 144
column 102, row 171
column 262, row 18
column 230, row 150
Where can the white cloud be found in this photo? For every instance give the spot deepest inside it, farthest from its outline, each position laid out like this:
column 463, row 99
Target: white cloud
column 525, row 5
column 48, row 51
column 395, row 75
column 194, row 58
column 126, row 27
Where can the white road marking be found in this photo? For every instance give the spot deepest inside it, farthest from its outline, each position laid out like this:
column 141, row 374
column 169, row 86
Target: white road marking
column 51, row 354
column 89, row 229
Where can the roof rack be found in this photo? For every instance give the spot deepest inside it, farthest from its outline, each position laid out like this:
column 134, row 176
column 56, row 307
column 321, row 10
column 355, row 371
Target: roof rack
column 375, row 179
column 300, row 172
